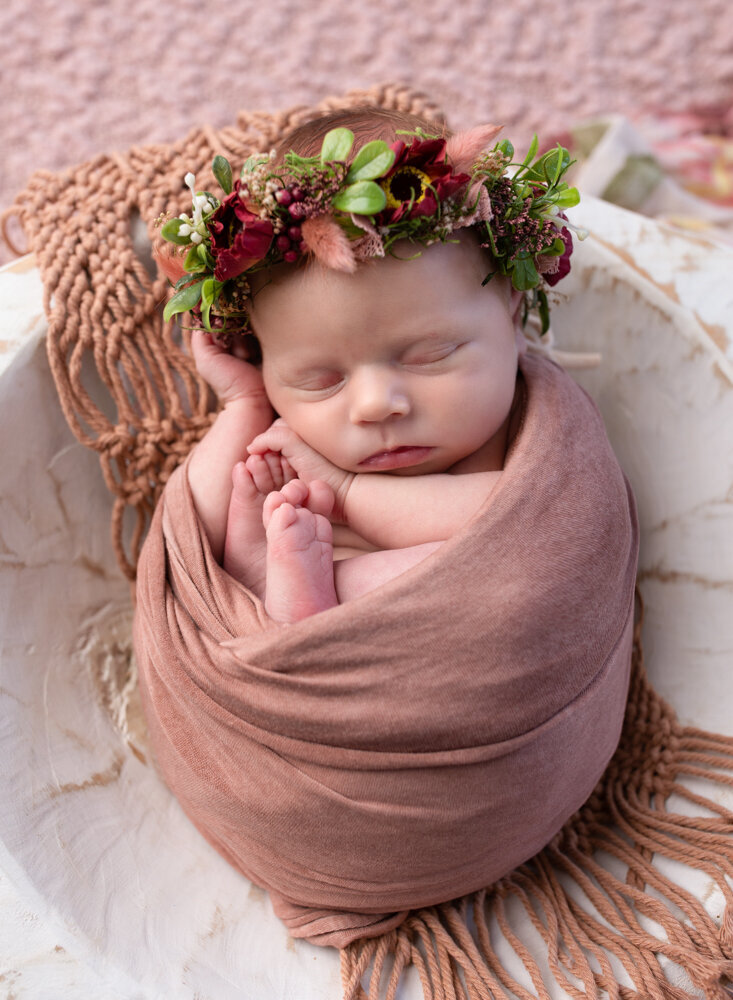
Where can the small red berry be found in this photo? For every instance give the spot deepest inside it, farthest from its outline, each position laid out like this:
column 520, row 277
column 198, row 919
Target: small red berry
column 297, row 211
column 303, row 246
column 294, row 233
column 282, row 243
column 291, row 256
column 297, row 193
column 283, row 197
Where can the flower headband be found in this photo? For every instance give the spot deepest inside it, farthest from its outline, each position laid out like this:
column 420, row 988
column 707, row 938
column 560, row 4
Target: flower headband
column 342, row 209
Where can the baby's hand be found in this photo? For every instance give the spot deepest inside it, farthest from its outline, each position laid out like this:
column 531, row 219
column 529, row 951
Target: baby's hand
column 300, row 457
column 230, row 377
column 270, row 471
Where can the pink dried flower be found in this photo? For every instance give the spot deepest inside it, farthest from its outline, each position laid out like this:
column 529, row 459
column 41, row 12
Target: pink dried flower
column 463, row 148
column 328, row 243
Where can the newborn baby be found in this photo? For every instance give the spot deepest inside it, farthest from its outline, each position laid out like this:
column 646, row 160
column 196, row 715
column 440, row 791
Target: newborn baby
column 394, row 752
column 396, row 388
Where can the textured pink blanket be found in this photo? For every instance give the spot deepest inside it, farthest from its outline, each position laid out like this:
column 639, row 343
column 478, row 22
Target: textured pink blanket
column 416, row 744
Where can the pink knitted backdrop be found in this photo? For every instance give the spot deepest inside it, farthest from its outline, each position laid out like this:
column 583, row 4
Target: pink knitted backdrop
column 81, row 77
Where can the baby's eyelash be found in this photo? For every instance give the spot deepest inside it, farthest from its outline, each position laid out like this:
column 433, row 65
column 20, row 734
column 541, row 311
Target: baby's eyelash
column 431, row 355
column 319, row 383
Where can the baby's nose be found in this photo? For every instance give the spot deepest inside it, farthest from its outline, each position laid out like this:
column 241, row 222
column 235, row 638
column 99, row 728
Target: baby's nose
column 377, row 394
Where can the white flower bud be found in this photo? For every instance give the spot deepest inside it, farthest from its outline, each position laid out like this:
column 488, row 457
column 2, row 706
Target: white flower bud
column 196, row 237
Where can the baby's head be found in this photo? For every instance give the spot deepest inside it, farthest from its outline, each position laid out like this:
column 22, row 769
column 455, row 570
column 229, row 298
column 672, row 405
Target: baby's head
column 384, row 278
column 407, row 364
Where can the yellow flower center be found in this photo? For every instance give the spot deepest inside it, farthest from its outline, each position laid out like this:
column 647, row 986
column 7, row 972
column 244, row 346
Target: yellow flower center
column 405, row 184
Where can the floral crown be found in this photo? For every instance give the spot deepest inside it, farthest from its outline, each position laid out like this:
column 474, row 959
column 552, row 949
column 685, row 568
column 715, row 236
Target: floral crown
column 342, row 209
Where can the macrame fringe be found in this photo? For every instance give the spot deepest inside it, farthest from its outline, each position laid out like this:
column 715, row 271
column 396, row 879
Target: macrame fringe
column 592, row 922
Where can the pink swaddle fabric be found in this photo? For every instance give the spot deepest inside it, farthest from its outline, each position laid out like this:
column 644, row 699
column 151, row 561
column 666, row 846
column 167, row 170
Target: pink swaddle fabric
column 418, row 743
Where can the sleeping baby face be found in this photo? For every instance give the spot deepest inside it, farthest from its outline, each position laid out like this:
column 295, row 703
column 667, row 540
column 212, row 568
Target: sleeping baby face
column 405, row 366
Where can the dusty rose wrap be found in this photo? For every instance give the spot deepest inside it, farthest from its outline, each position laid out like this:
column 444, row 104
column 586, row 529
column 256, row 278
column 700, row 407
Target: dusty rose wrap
column 416, row 744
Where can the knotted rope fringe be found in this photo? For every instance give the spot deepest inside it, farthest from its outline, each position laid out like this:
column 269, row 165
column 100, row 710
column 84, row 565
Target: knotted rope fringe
column 584, row 914
column 103, row 306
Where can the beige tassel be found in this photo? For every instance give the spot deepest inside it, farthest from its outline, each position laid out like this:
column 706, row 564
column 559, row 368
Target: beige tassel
column 328, row 243
column 463, row 148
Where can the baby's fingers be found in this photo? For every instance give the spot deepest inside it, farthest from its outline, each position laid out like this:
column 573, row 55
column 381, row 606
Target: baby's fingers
column 275, row 465
column 205, row 352
column 261, row 473
column 231, row 378
column 277, row 437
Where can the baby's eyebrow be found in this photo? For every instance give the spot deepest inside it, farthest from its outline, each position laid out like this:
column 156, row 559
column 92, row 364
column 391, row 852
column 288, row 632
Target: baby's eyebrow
column 294, row 371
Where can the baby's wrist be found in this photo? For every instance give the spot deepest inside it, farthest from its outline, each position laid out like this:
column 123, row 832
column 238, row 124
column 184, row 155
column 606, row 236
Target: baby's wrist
column 342, row 491
column 246, row 406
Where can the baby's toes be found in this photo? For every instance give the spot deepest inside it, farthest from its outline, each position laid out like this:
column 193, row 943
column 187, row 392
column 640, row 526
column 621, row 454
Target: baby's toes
column 321, row 497
column 293, row 493
column 244, row 491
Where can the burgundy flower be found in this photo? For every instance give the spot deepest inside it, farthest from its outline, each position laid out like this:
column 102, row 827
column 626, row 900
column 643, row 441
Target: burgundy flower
column 416, row 168
column 563, row 261
column 239, row 238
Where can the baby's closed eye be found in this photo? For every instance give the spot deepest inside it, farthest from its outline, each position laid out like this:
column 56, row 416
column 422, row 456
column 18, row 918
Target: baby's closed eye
column 321, row 380
column 428, row 354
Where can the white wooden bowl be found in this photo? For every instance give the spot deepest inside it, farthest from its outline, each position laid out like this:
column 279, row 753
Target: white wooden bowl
column 106, row 889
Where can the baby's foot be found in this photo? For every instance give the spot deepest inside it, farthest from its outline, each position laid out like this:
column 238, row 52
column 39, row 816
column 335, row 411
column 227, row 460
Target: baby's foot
column 245, row 547
column 299, row 551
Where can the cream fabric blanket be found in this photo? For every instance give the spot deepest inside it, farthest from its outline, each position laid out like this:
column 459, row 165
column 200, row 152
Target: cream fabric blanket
column 418, row 743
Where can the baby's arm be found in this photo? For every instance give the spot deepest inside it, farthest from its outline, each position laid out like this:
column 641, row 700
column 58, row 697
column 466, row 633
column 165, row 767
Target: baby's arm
column 389, row 511
column 397, row 511
column 246, row 413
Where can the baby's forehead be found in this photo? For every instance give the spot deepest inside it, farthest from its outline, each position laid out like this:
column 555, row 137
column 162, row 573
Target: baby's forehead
column 317, row 318
column 456, row 267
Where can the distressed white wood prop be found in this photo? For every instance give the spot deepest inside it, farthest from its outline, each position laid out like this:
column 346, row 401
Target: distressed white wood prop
column 106, row 890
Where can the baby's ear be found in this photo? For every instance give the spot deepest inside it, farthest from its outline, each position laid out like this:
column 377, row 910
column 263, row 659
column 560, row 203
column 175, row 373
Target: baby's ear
column 516, row 298
column 246, row 347
column 516, row 301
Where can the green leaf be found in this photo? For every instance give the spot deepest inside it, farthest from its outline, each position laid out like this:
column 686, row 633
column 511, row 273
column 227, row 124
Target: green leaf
column 223, row 172
column 524, row 274
column 373, row 160
column 531, row 153
column 544, row 311
column 207, row 299
column 558, row 165
column 336, row 145
column 251, row 163
column 183, row 301
column 567, row 198
column 207, row 292
column 506, row 148
column 193, row 262
column 549, row 168
column 362, row 198
column 170, row 232
column 557, row 248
